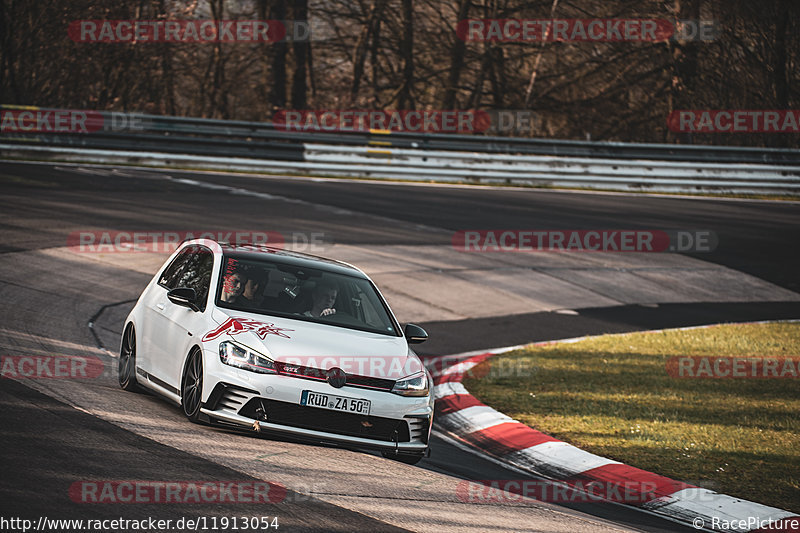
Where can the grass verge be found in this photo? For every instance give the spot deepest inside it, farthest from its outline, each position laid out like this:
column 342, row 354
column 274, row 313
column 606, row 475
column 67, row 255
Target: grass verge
column 613, row 396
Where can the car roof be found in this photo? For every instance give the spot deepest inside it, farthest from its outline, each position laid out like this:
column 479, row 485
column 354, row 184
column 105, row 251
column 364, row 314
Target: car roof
column 289, row 257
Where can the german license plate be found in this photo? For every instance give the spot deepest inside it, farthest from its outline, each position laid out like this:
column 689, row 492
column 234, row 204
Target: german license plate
column 335, row 403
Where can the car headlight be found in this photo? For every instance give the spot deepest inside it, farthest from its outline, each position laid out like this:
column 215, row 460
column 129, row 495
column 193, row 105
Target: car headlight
column 236, row 355
column 414, row 386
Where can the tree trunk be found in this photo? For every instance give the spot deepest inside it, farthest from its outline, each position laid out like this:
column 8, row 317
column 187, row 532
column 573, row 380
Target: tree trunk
column 8, row 78
column 373, row 59
column 780, row 79
column 535, row 70
column 404, row 98
column 684, row 63
column 166, row 65
column 360, row 52
column 498, row 77
column 276, row 77
column 300, row 49
column 456, row 61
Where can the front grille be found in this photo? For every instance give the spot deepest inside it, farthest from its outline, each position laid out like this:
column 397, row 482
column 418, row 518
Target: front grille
column 371, row 383
column 314, row 418
column 317, row 374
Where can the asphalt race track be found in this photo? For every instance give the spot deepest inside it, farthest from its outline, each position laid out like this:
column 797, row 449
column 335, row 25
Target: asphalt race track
column 58, row 432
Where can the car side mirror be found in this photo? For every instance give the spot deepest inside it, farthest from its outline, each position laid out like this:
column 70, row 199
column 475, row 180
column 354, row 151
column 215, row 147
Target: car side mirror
column 183, row 296
column 415, row 334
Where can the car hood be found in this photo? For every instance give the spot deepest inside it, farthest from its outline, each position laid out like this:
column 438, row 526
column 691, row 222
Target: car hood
column 321, row 346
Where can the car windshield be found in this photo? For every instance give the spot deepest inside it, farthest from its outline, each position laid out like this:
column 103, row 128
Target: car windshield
column 298, row 292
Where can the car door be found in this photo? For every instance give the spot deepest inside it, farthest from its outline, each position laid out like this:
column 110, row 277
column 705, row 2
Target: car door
column 151, row 328
column 178, row 327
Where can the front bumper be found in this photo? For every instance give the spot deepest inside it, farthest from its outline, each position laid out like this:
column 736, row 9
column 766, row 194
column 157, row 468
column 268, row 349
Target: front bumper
column 247, row 409
column 233, row 418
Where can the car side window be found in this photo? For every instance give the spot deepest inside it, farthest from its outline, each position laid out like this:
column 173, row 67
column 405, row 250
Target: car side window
column 191, row 268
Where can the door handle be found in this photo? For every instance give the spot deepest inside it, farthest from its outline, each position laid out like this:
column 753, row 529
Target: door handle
column 160, row 307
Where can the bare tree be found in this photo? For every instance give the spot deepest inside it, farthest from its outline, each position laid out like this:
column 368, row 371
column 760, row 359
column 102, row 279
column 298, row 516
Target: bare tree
column 456, row 59
column 300, row 48
column 393, row 54
column 367, row 34
column 404, row 97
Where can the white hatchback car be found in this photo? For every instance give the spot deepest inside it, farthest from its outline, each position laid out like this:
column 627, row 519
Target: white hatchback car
column 271, row 340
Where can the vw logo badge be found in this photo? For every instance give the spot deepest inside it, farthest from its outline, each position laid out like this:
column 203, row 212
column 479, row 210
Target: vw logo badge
column 336, row 377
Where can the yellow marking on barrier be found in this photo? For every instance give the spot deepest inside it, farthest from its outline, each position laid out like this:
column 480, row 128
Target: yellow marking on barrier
column 26, row 139
column 380, row 132
column 380, row 143
column 384, row 152
column 21, row 107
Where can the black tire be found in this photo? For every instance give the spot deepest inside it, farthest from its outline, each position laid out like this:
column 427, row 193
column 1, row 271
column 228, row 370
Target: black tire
column 407, row 458
column 192, row 385
column 126, row 369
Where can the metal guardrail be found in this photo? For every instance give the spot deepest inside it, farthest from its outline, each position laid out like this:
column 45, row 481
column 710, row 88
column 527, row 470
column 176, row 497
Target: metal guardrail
column 239, row 145
column 558, row 171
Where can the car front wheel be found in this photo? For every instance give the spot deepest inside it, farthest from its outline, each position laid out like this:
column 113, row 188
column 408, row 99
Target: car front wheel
column 192, row 387
column 126, row 369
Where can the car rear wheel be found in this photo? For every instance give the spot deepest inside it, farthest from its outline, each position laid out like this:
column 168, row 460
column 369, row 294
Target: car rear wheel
column 192, row 387
column 126, row 369
column 407, row 458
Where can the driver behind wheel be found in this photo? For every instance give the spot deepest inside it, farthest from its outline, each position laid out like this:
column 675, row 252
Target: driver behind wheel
column 323, row 296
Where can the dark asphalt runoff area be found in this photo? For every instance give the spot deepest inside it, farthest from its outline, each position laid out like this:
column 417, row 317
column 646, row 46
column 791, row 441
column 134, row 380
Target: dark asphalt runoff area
column 48, row 446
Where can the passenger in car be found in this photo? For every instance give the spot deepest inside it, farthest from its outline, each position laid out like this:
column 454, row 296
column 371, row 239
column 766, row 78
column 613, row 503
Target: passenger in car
column 252, row 294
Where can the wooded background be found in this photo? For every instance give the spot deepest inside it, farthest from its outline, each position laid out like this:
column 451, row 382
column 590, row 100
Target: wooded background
column 404, row 54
